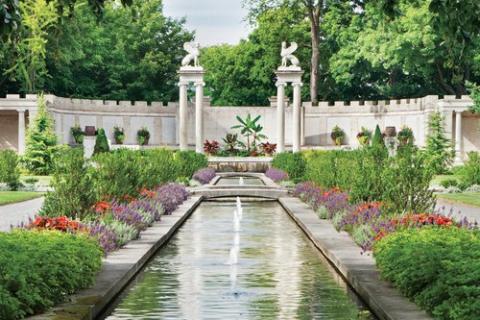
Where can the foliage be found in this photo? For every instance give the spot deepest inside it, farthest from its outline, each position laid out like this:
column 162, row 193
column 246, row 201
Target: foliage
column 40, row 269
column 447, row 183
column 101, row 142
column 474, row 91
column 364, row 136
column 439, row 148
column 276, row 175
column 331, row 169
column 250, row 129
column 40, row 142
column 189, row 162
column 231, row 143
column 337, row 135
column 293, row 164
column 158, row 167
column 73, row 186
column 204, row 176
column 407, row 181
column 143, row 136
column 436, row 267
column 378, row 138
column 268, row 149
column 211, row 147
column 9, row 172
column 405, row 136
column 119, row 135
column 78, row 134
column 470, row 172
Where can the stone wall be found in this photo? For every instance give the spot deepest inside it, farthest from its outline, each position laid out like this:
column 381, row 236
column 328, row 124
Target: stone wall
column 161, row 120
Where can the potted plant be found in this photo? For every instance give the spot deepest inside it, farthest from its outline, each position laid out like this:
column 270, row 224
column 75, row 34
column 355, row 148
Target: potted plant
column 119, row 135
column 405, row 136
column 250, row 128
column 364, row 136
column 231, row 143
column 268, row 149
column 143, row 136
column 77, row 134
column 338, row 135
column 211, row 147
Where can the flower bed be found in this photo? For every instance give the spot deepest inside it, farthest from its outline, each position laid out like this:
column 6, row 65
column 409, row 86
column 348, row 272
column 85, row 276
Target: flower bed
column 204, row 176
column 276, row 175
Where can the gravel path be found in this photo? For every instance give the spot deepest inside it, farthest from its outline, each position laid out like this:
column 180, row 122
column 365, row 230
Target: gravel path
column 14, row 214
column 459, row 210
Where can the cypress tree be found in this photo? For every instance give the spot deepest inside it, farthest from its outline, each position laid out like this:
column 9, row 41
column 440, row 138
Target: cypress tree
column 101, row 142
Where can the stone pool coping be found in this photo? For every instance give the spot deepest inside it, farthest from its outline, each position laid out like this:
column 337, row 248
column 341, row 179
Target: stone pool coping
column 358, row 269
column 120, row 267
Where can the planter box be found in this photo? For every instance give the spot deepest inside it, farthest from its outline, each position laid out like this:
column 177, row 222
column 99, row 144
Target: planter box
column 238, row 164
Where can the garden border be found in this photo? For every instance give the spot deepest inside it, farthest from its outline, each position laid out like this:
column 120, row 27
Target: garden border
column 358, row 269
column 121, row 266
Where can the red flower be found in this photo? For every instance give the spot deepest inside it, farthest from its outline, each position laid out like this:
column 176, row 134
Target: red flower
column 101, row 207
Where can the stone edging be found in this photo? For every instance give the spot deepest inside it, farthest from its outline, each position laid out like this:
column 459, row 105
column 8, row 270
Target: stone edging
column 122, row 266
column 358, row 269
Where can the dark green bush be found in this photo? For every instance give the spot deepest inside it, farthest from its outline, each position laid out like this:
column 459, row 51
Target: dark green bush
column 101, row 142
column 331, row 168
column 9, row 172
column 447, row 183
column 470, row 172
column 439, row 148
column 189, row 162
column 439, row 268
column 72, row 182
column 39, row 270
column 292, row 163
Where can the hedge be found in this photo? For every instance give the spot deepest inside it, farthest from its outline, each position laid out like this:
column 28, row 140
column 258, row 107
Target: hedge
column 438, row 268
column 39, row 270
column 9, row 173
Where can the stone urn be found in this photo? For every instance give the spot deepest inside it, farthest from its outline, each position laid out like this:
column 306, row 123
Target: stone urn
column 90, row 131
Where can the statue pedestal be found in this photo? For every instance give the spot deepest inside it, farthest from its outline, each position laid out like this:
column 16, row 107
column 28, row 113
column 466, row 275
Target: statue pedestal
column 286, row 75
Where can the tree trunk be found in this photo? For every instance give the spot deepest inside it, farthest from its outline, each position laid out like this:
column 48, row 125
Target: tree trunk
column 314, row 16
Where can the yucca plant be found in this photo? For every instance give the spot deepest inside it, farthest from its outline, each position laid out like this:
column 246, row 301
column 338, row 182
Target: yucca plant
column 251, row 130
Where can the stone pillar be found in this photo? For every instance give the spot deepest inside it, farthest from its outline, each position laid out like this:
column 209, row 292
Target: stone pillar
column 21, row 131
column 458, row 138
column 296, row 123
column 199, row 117
column 281, row 117
column 302, row 126
column 183, row 114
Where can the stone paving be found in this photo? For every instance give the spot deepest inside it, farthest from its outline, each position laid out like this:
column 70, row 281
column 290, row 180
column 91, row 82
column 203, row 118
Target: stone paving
column 459, row 210
column 14, row 214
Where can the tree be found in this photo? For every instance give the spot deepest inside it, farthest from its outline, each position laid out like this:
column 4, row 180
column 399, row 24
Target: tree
column 40, row 142
column 313, row 9
column 439, row 148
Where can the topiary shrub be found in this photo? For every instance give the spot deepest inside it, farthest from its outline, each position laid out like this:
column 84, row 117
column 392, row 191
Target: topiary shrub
column 40, row 142
column 437, row 267
column 189, row 162
column 40, row 269
column 378, row 138
column 101, row 142
column 292, row 163
column 9, row 172
column 439, row 148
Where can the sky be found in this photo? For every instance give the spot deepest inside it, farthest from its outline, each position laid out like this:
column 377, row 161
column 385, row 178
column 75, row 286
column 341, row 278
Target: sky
column 215, row 21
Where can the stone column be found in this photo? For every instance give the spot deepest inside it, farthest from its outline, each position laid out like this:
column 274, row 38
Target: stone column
column 21, row 131
column 458, row 138
column 199, row 117
column 183, row 114
column 297, row 104
column 281, row 117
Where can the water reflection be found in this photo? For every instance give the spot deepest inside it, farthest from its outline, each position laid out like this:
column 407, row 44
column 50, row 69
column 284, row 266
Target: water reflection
column 240, row 181
column 280, row 275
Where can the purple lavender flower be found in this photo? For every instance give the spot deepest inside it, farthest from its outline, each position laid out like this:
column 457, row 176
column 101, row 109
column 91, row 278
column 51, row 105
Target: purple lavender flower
column 205, row 175
column 276, row 174
column 171, row 196
column 147, row 206
column 128, row 215
column 106, row 238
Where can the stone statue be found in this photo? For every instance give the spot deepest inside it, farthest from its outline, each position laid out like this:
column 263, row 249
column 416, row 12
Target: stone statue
column 287, row 55
column 193, row 49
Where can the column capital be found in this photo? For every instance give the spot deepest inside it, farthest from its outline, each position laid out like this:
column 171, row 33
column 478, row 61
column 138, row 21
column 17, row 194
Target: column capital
column 183, row 83
column 199, row 84
column 297, row 84
column 21, row 110
column 281, row 84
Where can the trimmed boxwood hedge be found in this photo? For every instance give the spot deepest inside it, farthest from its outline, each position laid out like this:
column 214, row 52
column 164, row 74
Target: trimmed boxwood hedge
column 438, row 268
column 40, row 269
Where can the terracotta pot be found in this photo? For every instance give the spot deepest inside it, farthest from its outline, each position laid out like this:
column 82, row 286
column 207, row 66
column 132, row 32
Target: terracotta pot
column 390, row 131
column 90, row 131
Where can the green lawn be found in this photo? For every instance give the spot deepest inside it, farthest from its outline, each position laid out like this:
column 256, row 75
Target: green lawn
column 472, row 199
column 43, row 180
column 9, row 197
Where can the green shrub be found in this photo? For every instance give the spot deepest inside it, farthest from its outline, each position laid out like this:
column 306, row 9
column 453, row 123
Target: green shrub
column 39, row 270
column 9, row 172
column 470, row 172
column 72, row 182
column 292, row 163
column 101, row 142
column 436, row 267
column 189, row 162
column 40, row 142
column 447, row 183
column 407, row 181
column 439, row 148
column 378, row 139
column 160, row 167
column 331, row 168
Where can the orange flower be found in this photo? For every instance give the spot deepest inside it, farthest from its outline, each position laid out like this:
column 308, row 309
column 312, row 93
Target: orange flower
column 101, row 207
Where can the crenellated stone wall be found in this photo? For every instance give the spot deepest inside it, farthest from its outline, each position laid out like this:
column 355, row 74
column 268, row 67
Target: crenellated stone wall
column 317, row 122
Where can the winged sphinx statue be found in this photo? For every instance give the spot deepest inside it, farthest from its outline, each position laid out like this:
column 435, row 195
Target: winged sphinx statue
column 193, row 49
column 287, row 56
